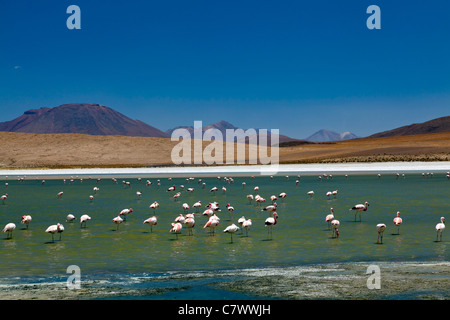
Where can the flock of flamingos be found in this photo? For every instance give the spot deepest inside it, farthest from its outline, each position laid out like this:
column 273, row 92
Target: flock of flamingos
column 188, row 220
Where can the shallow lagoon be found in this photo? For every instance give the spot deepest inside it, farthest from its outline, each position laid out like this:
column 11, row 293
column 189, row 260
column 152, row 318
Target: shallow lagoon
column 300, row 238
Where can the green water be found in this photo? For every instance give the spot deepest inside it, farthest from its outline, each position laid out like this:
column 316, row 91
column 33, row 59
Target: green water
column 300, row 237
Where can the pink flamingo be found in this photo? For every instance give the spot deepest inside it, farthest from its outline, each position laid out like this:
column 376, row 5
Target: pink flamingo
column 270, row 208
column 231, row 229
column 59, row 194
column 212, row 223
column 398, row 221
column 180, row 218
column 270, row 222
column 359, row 208
column 125, row 212
column 83, row 220
column 176, row 228
column 190, row 223
column 26, row 220
column 55, row 228
column 197, row 205
column 246, row 225
column 329, row 218
column 117, row 220
column 440, row 229
column 335, row 224
column 380, row 228
column 8, row 229
column 152, row 221
column 154, row 206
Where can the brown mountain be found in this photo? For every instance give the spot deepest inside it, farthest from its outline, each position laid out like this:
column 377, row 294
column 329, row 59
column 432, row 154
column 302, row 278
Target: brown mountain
column 94, row 119
column 433, row 126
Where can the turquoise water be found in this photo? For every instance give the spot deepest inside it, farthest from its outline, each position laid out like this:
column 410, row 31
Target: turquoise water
column 300, row 237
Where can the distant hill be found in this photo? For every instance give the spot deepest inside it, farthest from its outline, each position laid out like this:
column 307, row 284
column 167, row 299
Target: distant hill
column 327, row 135
column 433, row 126
column 223, row 125
column 94, row 119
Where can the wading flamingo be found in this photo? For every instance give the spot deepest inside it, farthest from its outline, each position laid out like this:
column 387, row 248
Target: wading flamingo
column 152, row 221
column 440, row 229
column 398, row 221
column 359, row 208
column 380, row 228
column 270, row 222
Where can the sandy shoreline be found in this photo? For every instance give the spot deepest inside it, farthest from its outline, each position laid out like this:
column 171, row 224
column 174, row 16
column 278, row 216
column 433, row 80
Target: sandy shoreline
column 426, row 280
column 441, row 167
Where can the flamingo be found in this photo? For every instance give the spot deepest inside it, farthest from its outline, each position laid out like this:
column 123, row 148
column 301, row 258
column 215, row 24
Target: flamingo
column 125, row 212
column 8, row 229
column 91, row 197
column 398, row 221
column 224, row 189
column 380, row 228
column 329, row 217
column 59, row 194
column 95, row 189
column 154, row 206
column 152, row 221
column 310, row 193
column 208, row 212
column 185, row 207
column 241, row 220
column 70, row 218
column 273, row 198
column 270, row 208
column 250, row 197
column 60, row 230
column 4, row 197
column 117, row 220
column 180, row 218
column 176, row 228
column 270, row 222
column 231, row 229
column 176, row 195
column 213, row 189
column 190, row 189
column 230, row 208
column 359, row 208
column 328, row 194
column 212, row 223
column 172, row 188
column 139, row 194
column 190, row 223
column 26, row 220
column 282, row 195
column 335, row 224
column 440, row 229
column 83, row 220
column 335, row 192
column 54, row 229
column 197, row 205
column 246, row 225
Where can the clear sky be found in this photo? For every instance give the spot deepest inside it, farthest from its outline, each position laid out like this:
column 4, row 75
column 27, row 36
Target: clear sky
column 297, row 66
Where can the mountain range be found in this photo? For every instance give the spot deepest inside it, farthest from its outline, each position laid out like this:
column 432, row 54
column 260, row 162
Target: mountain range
column 327, row 135
column 97, row 119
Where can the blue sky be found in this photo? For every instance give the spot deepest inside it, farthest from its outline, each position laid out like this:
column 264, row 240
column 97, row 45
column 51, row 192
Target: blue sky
column 297, row 66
